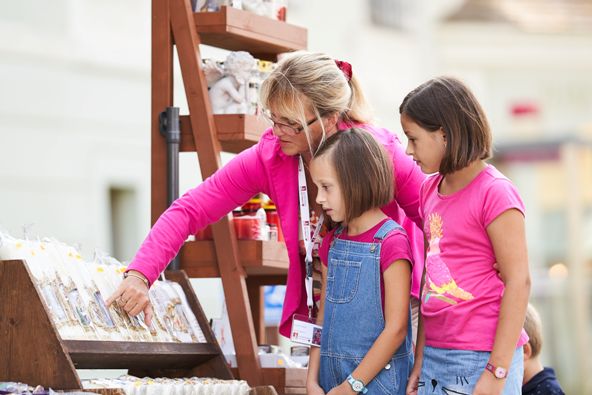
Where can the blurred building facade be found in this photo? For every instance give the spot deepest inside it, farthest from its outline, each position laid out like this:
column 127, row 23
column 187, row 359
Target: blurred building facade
column 75, row 137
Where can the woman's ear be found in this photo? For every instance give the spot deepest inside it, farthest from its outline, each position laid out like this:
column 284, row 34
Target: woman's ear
column 332, row 118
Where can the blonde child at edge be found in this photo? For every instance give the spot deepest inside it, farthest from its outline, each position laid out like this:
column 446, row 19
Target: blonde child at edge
column 470, row 334
column 538, row 379
column 367, row 265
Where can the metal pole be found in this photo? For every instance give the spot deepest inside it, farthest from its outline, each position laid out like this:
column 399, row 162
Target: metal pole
column 170, row 129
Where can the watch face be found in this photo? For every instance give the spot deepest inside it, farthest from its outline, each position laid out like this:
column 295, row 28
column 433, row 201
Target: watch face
column 357, row 386
column 500, row 373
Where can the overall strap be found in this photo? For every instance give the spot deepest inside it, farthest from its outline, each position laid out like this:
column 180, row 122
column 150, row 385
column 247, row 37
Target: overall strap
column 388, row 226
column 338, row 231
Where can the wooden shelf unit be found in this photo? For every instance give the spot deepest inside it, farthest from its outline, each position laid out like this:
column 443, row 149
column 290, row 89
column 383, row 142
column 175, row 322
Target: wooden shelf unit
column 243, row 266
column 236, row 132
column 258, row 258
column 88, row 354
column 238, row 30
column 38, row 355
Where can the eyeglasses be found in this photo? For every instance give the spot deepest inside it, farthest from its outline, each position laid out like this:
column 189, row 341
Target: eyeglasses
column 291, row 130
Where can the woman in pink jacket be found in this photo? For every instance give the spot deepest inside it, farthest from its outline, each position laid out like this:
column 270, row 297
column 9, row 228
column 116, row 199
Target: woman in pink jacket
column 308, row 97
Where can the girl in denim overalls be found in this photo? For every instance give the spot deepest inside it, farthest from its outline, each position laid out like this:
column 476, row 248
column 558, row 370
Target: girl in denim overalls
column 366, row 338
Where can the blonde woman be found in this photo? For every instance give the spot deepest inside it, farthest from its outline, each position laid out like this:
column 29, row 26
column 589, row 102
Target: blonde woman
column 308, row 97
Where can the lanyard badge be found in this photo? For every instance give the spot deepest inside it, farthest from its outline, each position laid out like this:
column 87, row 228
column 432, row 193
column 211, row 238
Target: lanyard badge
column 306, row 234
column 304, row 329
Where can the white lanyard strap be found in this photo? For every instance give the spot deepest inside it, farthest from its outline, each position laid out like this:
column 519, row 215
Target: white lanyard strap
column 306, row 235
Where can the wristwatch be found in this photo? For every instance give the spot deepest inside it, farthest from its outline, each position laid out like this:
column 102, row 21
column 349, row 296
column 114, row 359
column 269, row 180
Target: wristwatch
column 357, row 385
column 497, row 371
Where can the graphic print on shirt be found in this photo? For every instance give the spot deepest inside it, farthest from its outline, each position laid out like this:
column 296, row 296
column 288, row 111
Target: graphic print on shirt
column 438, row 281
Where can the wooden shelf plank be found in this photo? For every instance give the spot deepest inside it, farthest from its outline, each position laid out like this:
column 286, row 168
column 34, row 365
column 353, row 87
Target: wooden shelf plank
column 87, row 354
column 284, row 380
column 261, row 258
column 236, row 132
column 238, row 30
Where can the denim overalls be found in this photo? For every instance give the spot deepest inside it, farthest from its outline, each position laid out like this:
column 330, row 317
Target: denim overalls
column 353, row 316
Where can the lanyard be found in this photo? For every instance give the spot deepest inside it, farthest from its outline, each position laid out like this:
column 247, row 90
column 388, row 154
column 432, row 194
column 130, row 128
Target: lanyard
column 305, row 226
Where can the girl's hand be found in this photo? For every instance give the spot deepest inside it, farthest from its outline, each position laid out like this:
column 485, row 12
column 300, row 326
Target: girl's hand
column 413, row 382
column 342, row 389
column 314, row 389
column 488, row 385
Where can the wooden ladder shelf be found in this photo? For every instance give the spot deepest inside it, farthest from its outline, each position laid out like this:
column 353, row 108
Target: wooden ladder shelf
column 174, row 24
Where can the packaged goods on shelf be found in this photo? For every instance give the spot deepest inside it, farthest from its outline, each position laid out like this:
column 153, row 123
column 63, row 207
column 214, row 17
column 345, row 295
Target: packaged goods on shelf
column 75, row 292
column 275, row 9
column 164, row 386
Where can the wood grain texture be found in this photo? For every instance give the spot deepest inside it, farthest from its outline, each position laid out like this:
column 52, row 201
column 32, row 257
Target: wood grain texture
column 33, row 352
column 162, row 97
column 30, row 345
column 205, row 137
column 238, row 30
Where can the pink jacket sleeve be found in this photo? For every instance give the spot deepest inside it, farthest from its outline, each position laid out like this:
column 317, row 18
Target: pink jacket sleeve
column 231, row 186
column 408, row 180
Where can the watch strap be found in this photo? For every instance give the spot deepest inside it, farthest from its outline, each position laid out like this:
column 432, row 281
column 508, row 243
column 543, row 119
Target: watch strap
column 494, row 370
column 353, row 382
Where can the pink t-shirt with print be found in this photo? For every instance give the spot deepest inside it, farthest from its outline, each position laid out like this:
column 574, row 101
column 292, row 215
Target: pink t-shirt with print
column 462, row 295
column 394, row 246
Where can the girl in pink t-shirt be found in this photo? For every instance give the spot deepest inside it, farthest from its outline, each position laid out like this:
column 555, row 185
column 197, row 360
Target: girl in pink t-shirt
column 366, row 338
column 470, row 335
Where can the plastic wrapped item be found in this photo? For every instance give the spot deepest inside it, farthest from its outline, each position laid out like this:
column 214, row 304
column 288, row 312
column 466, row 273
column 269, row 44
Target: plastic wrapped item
column 75, row 290
column 164, row 386
column 13, row 387
column 214, row 5
column 193, row 324
column 169, row 311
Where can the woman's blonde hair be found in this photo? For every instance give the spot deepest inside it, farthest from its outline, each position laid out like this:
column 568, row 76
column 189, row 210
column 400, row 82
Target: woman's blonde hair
column 304, row 79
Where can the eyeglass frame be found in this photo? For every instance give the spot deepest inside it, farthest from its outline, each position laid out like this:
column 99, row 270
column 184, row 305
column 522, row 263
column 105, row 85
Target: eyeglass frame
column 292, row 130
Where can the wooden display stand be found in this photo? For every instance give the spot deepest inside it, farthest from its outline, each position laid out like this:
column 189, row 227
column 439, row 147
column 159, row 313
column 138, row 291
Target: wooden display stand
column 174, row 24
column 33, row 352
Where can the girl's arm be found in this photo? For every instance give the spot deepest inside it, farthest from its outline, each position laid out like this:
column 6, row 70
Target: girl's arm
column 508, row 238
column 397, row 280
column 312, row 380
column 413, row 382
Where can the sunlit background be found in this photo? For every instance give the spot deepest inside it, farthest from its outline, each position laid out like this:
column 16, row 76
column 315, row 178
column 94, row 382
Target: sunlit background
column 75, row 133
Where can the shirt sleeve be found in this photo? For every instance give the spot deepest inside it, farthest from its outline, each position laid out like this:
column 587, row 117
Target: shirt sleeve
column 408, row 180
column 501, row 196
column 229, row 187
column 393, row 248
